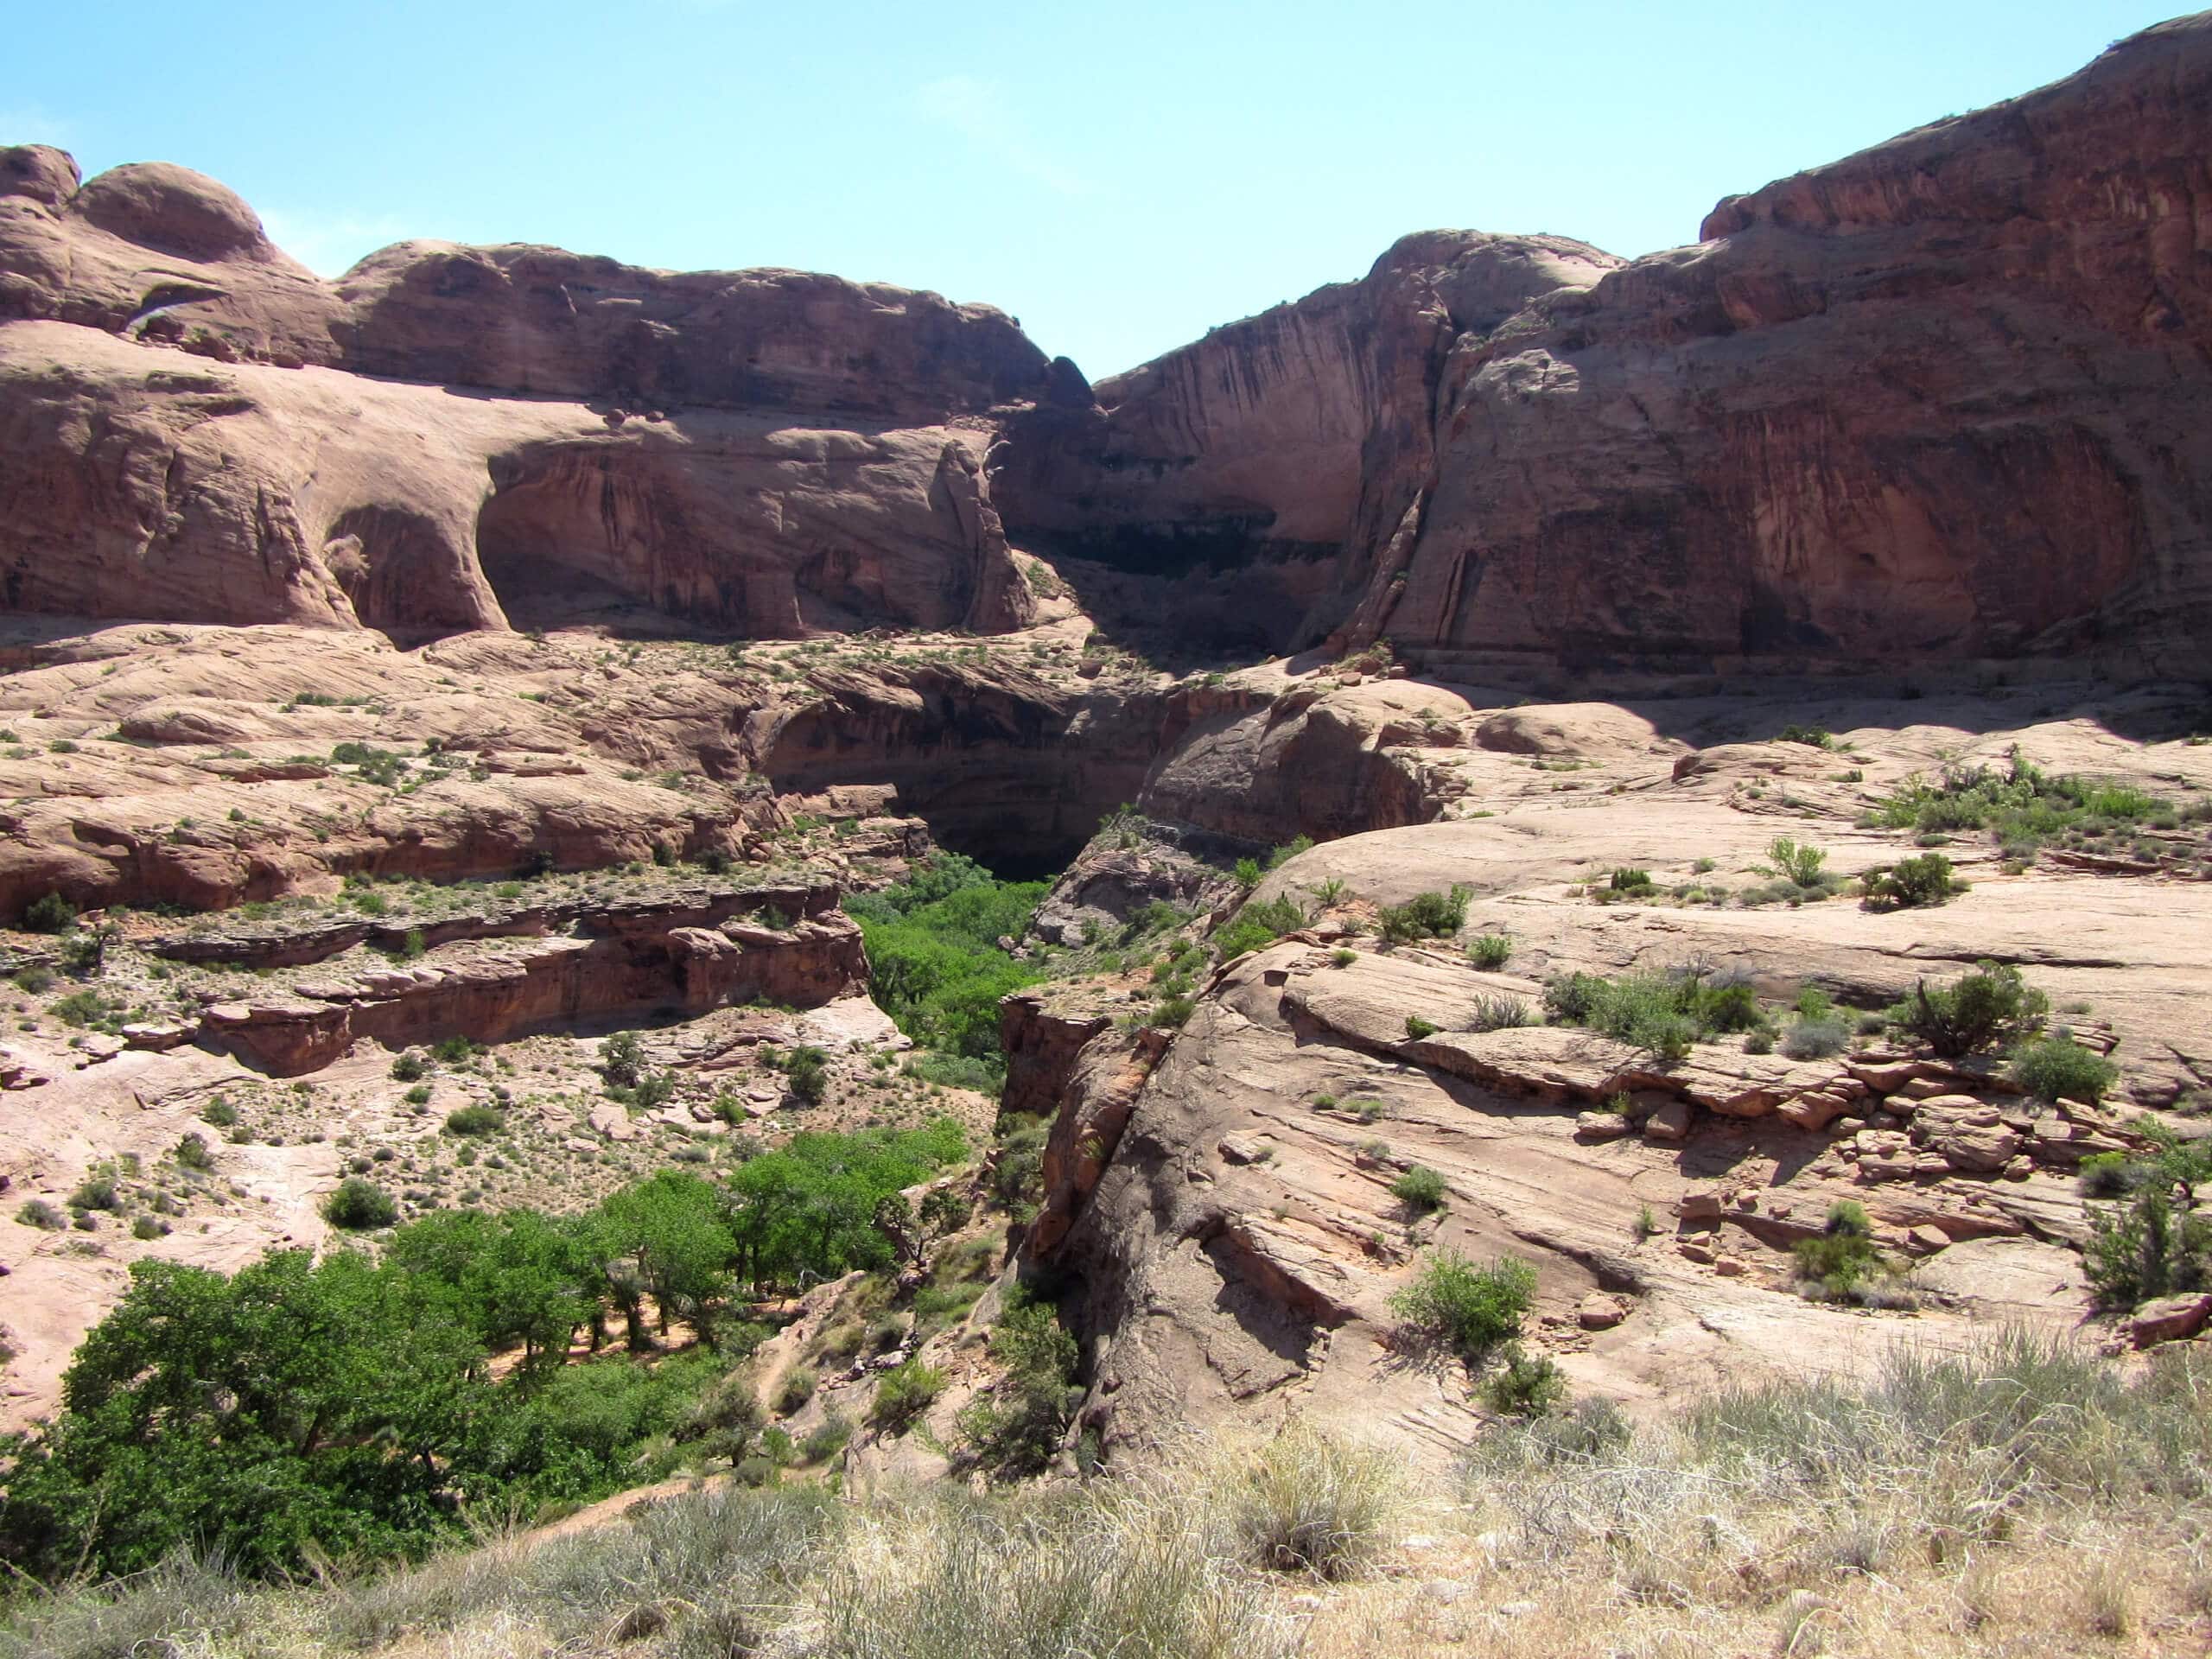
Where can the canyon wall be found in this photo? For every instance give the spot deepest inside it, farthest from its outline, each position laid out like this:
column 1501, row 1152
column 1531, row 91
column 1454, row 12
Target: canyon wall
column 1944, row 398
column 193, row 428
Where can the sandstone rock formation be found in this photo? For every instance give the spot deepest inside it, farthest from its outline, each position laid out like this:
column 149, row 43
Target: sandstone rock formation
column 1851, row 423
column 191, row 431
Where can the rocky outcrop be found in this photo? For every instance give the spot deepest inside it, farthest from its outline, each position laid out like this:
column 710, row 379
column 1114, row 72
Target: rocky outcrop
column 188, row 432
column 524, row 973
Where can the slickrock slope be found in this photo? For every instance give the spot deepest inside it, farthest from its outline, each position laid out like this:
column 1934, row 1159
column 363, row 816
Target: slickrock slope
column 210, row 766
column 1948, row 395
column 1218, row 1198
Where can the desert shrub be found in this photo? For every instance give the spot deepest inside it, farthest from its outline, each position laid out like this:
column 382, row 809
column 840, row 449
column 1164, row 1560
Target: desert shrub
column 407, row 1068
column 1759, row 1040
column 51, row 914
column 1912, row 882
column 827, row 1439
column 1308, row 1503
column 42, row 1215
column 1419, row 1188
column 1290, row 849
column 1258, row 924
column 1468, row 1309
column 1843, row 1256
column 1651, row 1011
column 1341, row 957
column 360, row 1205
column 1627, row 878
column 1987, row 1008
column 1170, row 1013
column 191, row 1152
column 218, row 1112
column 1017, row 1428
column 905, row 1392
column 808, row 1068
column 1817, row 1039
column 2145, row 1249
column 476, row 1120
column 1500, row 1014
column 418, row 1096
column 1526, row 1385
column 2023, row 806
column 1492, row 951
column 453, row 1050
column 2057, row 1068
column 149, row 1227
column 1816, row 737
column 2108, row 1175
column 1418, row 1028
column 1248, row 874
column 1796, row 860
column 1425, row 916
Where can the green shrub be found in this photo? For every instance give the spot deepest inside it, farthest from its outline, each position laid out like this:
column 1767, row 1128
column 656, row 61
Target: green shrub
column 1418, row 1028
column 1796, row 860
column 1468, row 1309
column 1989, row 1008
column 218, row 1112
column 418, row 1096
column 453, row 1050
column 1815, row 737
column 2057, row 1068
column 406, row 1068
column 905, row 1392
column 360, row 1205
column 191, row 1152
column 1419, row 1188
column 796, row 1388
column 42, row 1215
column 1926, row 880
column 1630, row 880
column 476, row 1120
column 1527, row 1385
column 1018, row 1427
column 827, row 1440
column 1341, row 957
column 51, row 915
column 808, row 1068
column 1492, row 951
column 2146, row 1248
column 1653, row 1011
column 1843, row 1256
column 1425, row 916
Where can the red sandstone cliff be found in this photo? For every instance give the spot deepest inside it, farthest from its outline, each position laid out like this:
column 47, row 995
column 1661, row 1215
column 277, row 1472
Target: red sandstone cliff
column 1949, row 396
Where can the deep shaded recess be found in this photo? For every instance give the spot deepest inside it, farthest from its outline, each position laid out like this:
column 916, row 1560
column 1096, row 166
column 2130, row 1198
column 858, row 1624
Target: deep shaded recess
column 1017, row 841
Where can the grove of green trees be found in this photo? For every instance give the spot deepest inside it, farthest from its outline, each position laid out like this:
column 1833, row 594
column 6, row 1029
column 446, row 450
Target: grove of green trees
column 351, row 1406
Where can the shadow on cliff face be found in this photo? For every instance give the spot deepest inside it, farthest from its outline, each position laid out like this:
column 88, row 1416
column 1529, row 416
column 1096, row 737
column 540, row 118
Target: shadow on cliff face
column 1185, row 603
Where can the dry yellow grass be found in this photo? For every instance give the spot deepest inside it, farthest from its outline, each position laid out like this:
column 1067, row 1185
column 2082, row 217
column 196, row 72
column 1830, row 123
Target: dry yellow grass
column 2024, row 1502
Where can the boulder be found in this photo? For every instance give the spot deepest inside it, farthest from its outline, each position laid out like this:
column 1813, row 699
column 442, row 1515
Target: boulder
column 2168, row 1319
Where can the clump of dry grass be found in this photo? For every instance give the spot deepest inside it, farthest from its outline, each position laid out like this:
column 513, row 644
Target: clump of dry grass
column 1307, row 1501
column 2027, row 1499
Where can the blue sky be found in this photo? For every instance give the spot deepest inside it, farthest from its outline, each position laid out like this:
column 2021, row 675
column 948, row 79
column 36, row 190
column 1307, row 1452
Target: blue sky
column 1120, row 177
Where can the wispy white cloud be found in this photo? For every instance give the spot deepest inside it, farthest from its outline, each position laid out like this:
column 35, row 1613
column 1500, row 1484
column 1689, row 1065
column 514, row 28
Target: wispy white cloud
column 980, row 112
column 34, row 124
column 330, row 243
